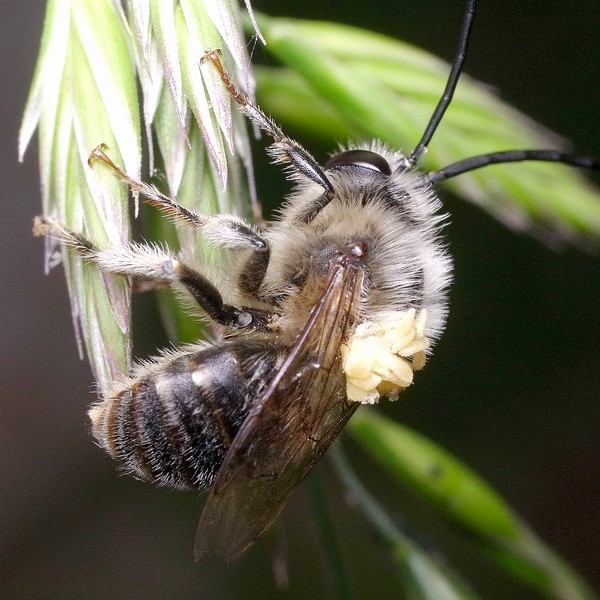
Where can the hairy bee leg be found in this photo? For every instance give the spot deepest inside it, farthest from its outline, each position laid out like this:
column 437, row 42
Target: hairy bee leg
column 253, row 273
column 157, row 264
column 284, row 149
column 221, row 230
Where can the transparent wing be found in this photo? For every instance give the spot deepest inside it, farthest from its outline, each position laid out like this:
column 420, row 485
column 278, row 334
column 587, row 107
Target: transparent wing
column 301, row 412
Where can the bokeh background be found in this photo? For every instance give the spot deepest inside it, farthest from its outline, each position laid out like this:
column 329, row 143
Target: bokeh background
column 513, row 389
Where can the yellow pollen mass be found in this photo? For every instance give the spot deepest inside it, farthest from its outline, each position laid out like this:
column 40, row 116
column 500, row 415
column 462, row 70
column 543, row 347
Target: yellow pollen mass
column 380, row 357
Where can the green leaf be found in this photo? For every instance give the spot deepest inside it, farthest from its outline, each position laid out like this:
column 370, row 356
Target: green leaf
column 468, row 501
column 84, row 94
column 331, row 65
column 436, row 475
column 421, row 575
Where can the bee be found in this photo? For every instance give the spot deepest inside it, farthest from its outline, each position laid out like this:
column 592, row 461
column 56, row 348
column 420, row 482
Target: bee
column 333, row 305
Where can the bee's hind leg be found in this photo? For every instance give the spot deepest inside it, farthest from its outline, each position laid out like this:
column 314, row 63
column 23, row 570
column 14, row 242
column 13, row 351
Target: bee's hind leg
column 157, row 264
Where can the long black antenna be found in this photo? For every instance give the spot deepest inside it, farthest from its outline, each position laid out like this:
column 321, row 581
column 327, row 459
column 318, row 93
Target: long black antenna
column 509, row 156
column 457, row 65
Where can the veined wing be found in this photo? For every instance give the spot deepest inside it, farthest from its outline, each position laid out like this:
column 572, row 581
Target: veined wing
column 301, row 412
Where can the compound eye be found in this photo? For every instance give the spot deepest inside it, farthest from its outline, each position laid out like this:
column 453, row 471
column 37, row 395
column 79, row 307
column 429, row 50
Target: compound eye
column 364, row 159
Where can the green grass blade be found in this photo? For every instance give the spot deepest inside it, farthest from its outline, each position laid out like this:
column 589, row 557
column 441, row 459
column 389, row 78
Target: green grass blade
column 468, row 501
column 84, row 94
column 421, row 576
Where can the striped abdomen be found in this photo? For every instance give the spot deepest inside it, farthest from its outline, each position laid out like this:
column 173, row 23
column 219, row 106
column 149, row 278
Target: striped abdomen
column 174, row 424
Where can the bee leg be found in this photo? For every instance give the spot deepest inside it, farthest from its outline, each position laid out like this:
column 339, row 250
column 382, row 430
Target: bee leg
column 284, row 149
column 253, row 273
column 227, row 231
column 150, row 193
column 221, row 230
column 157, row 264
column 211, row 301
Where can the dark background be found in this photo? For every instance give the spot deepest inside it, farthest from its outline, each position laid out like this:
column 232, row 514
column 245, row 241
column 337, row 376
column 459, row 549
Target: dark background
column 512, row 390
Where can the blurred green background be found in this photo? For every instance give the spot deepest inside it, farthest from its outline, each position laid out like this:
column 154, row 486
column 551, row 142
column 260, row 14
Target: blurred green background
column 512, row 390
